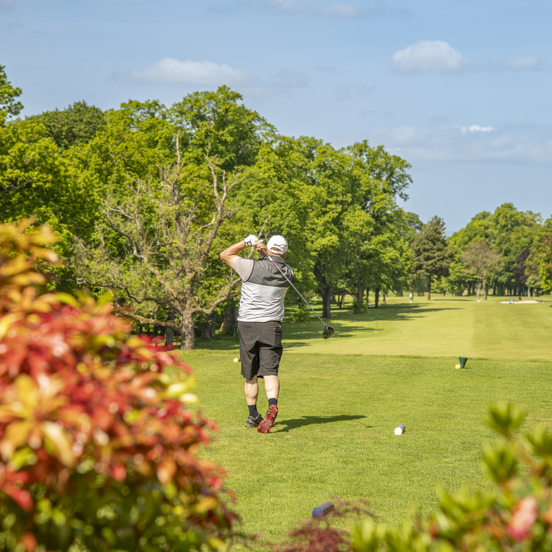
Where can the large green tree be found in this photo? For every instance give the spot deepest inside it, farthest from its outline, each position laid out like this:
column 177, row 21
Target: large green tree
column 36, row 180
column 301, row 188
column 380, row 256
column 74, row 125
column 431, row 254
column 168, row 198
column 10, row 106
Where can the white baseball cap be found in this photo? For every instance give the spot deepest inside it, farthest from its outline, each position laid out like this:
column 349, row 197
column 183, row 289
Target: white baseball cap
column 277, row 244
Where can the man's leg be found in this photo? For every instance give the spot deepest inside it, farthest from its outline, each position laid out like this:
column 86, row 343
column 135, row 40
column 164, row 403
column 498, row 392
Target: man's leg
column 251, row 389
column 270, row 353
column 249, row 368
column 272, row 388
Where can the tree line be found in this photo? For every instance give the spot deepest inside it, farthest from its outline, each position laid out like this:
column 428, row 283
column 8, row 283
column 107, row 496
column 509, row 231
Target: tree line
column 145, row 197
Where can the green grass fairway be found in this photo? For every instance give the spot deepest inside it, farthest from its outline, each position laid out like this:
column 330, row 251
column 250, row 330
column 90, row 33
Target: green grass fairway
column 341, row 402
column 455, row 326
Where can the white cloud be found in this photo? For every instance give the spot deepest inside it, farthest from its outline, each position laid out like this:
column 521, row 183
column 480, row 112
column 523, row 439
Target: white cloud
column 331, row 8
column 522, row 63
column 174, row 71
column 429, row 55
column 469, row 143
column 476, row 128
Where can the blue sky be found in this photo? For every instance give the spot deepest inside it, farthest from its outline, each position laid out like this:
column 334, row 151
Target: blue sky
column 459, row 88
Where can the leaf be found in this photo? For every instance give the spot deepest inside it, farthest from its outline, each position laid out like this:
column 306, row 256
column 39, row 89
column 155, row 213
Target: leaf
column 15, row 435
column 21, row 496
column 59, row 442
column 166, row 470
column 504, row 417
column 205, row 504
column 68, row 299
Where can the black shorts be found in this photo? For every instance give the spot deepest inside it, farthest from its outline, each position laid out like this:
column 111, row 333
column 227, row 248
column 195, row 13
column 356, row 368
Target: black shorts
column 260, row 348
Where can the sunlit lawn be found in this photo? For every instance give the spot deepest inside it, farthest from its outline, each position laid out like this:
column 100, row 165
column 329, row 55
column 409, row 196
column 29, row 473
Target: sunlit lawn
column 341, row 400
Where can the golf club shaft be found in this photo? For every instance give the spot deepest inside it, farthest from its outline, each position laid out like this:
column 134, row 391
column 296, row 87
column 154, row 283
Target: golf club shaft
column 298, row 292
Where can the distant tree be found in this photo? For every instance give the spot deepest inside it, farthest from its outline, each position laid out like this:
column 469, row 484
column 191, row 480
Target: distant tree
column 520, row 270
column 546, row 265
column 539, row 263
column 431, row 255
column 481, row 260
column 74, row 125
column 512, row 231
column 479, row 228
column 9, row 105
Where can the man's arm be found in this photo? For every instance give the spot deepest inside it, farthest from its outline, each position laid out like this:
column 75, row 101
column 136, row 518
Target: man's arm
column 230, row 255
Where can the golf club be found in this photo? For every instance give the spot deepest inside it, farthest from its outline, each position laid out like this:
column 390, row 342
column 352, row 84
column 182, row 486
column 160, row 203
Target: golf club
column 328, row 330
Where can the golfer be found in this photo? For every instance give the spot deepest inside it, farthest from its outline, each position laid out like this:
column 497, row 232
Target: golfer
column 260, row 321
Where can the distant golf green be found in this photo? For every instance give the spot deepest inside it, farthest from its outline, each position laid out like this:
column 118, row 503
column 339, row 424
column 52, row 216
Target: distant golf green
column 341, row 402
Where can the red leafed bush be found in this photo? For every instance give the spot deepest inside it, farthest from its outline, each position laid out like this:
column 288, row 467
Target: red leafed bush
column 97, row 446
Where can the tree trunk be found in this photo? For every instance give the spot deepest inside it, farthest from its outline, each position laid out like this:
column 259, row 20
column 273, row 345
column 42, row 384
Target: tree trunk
column 368, row 298
column 428, row 288
column 187, row 333
column 342, row 301
column 384, row 302
column 479, row 290
column 360, row 292
column 208, row 332
column 326, row 301
column 399, row 294
column 376, row 292
column 229, row 319
column 169, row 332
column 485, row 290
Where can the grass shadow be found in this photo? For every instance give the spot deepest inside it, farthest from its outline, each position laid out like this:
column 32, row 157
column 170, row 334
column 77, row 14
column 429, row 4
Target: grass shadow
column 309, row 420
column 346, row 324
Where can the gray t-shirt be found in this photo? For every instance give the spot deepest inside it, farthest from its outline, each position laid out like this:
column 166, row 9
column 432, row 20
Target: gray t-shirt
column 244, row 268
column 263, row 289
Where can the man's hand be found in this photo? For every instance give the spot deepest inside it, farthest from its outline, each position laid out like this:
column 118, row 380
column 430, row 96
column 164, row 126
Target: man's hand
column 260, row 247
column 251, row 240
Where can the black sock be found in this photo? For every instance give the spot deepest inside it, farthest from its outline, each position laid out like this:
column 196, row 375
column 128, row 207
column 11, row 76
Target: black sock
column 272, row 402
column 253, row 410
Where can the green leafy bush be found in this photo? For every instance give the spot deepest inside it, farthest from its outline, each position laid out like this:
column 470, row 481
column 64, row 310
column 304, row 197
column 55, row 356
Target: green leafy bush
column 97, row 446
column 301, row 314
column 359, row 307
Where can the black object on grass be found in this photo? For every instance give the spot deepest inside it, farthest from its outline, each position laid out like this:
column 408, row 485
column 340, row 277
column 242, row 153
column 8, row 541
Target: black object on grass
column 323, row 509
column 463, row 361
